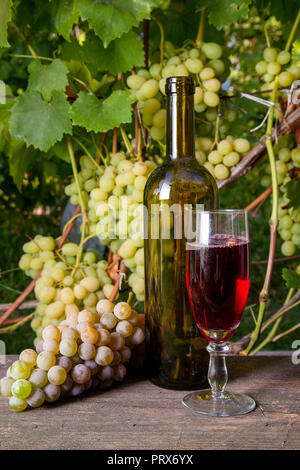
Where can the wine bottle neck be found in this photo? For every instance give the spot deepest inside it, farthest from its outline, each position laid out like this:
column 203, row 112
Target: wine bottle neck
column 180, row 125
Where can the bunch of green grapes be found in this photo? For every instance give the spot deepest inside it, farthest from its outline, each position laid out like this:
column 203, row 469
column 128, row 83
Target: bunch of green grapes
column 276, row 62
column 87, row 350
column 88, row 177
column 287, row 157
column 205, row 64
column 62, row 289
column 221, row 158
column 36, row 253
column 115, row 211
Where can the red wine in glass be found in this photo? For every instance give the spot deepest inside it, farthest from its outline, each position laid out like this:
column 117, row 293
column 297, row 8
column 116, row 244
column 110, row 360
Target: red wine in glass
column 218, row 282
column 218, row 279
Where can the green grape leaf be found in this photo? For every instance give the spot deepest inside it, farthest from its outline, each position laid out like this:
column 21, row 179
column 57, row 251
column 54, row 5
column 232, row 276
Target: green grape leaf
column 60, row 150
column 64, row 15
column 112, row 18
column 224, row 12
column 120, row 56
column 101, row 116
column 20, row 159
column 47, row 78
column 39, row 123
column 5, row 17
column 292, row 278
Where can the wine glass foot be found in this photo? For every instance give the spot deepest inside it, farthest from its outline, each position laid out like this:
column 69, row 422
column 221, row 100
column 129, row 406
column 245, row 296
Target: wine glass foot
column 228, row 404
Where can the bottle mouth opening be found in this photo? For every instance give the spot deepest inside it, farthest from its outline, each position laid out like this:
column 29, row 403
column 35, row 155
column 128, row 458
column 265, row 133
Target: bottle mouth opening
column 180, row 85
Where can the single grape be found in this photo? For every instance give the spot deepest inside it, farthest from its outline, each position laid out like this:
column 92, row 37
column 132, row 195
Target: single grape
column 207, row 73
column 36, row 398
column 283, row 57
column 213, row 85
column 194, row 65
column 87, row 351
column 137, row 336
column 16, row 404
column 57, row 375
column 295, row 154
column 273, row 68
column 241, row 145
column 68, row 347
column 104, row 356
column 270, row 54
column 215, row 157
column 212, row 50
column 261, row 67
column 135, row 81
column 45, row 360
column 5, row 386
column 89, row 335
column 81, row 374
column 284, row 154
column 52, row 392
column 288, row 248
column 211, row 99
column 125, row 354
column 38, row 378
column 119, row 372
column 21, row 388
column 90, row 283
column 286, row 222
column 285, row 79
column 106, row 373
column 20, row 370
column 104, row 335
column 231, row 159
column 55, row 309
column 125, row 328
column 29, row 356
column 116, row 341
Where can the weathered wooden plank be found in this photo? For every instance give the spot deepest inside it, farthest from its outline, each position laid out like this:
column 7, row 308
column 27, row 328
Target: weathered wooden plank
column 139, row 415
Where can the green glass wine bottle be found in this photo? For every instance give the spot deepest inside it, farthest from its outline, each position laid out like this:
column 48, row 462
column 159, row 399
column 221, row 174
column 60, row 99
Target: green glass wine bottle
column 175, row 350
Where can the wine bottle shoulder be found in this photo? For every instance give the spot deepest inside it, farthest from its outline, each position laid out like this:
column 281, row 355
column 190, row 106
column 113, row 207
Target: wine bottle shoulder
column 176, row 179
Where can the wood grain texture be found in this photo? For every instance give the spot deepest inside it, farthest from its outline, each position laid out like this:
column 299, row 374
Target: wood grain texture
column 139, row 415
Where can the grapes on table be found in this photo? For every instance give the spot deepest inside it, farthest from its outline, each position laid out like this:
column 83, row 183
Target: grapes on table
column 286, row 153
column 72, row 361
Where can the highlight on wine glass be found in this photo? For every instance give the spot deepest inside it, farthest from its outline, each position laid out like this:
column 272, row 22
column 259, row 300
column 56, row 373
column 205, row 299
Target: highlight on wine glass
column 218, row 279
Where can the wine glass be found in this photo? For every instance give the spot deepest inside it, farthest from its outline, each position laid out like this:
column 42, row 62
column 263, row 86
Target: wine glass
column 218, row 279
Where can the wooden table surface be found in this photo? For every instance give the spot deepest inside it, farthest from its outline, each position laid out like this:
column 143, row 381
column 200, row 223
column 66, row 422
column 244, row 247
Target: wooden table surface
column 139, row 415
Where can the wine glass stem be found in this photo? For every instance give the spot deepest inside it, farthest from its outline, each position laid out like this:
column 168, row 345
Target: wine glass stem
column 217, row 371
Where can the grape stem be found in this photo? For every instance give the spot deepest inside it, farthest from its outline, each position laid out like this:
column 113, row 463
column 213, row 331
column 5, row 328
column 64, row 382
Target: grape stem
column 292, row 33
column 272, row 333
column 285, row 333
column 216, row 139
column 267, row 35
column 87, row 152
column 11, row 328
column 117, row 283
column 237, row 347
column 200, row 33
column 82, row 204
column 126, row 141
column 264, row 294
column 79, row 252
column 115, row 141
